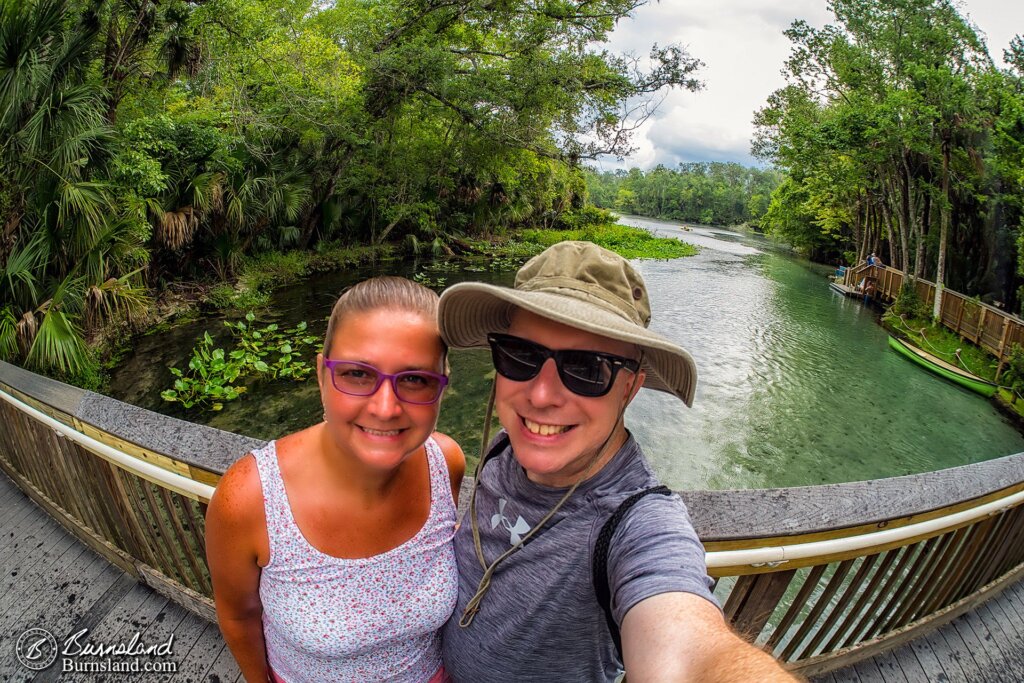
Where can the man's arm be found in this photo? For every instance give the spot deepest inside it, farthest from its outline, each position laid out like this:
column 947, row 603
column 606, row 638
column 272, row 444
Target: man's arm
column 682, row 637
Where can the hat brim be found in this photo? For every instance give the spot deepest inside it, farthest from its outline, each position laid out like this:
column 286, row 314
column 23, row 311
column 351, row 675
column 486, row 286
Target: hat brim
column 469, row 311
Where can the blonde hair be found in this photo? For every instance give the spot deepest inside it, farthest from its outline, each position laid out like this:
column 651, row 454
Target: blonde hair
column 387, row 292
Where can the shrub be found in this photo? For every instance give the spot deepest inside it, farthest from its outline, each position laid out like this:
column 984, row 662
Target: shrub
column 910, row 304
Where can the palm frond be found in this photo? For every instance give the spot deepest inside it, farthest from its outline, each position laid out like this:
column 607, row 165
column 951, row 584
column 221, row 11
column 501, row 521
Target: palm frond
column 23, row 269
column 8, row 334
column 58, row 344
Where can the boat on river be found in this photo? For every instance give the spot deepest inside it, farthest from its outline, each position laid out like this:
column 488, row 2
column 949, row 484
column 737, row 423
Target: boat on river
column 944, row 369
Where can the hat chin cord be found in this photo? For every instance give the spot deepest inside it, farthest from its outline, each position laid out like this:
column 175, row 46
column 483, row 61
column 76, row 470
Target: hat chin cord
column 473, row 606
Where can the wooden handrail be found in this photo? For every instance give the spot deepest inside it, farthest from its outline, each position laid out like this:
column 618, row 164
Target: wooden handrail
column 823, row 576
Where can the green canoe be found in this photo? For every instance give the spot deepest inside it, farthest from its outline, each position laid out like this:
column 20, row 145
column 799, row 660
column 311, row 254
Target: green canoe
column 941, row 367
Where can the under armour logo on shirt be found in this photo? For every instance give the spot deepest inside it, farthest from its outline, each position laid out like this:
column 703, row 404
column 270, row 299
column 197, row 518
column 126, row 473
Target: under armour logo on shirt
column 515, row 530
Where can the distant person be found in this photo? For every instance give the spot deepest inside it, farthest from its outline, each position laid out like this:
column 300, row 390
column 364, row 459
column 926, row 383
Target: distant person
column 544, row 595
column 331, row 549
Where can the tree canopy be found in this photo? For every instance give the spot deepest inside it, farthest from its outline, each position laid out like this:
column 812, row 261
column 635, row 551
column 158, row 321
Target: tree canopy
column 900, row 136
column 143, row 142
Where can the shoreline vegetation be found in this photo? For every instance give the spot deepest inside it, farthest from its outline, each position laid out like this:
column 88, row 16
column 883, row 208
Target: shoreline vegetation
column 213, row 370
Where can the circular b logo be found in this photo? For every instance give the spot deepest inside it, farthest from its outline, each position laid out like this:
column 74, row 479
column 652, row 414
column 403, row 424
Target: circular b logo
column 36, row 649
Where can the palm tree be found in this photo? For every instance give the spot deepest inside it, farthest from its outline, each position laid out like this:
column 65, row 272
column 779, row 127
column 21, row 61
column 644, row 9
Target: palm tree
column 68, row 255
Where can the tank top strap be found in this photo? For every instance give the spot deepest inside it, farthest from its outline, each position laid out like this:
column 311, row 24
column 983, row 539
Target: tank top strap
column 281, row 527
column 441, row 503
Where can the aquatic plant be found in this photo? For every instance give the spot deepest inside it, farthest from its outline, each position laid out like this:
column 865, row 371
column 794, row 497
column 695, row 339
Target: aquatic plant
column 267, row 352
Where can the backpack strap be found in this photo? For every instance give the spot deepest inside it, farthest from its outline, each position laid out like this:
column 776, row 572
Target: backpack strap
column 599, row 568
column 500, row 444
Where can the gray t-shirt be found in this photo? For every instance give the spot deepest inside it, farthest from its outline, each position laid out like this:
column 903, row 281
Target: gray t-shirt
column 540, row 619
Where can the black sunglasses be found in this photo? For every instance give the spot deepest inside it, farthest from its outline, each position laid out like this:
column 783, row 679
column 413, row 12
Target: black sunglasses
column 584, row 373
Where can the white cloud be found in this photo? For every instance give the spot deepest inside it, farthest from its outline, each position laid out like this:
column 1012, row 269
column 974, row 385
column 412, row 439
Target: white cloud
column 742, row 45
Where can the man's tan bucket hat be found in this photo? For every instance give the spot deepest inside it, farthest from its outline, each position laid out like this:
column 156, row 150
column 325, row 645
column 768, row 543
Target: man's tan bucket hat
column 581, row 285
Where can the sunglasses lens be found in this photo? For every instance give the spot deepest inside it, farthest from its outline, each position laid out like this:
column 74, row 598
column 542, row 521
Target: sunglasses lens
column 355, row 379
column 418, row 387
column 585, row 373
column 516, row 359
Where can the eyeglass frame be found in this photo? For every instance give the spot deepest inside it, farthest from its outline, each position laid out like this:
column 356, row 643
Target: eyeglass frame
column 616, row 362
column 331, row 363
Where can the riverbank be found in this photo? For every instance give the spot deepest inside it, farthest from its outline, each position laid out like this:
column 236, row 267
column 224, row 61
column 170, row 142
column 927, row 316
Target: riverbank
column 260, row 276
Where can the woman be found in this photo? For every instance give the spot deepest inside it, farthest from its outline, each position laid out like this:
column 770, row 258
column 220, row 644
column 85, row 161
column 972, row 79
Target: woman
column 331, row 549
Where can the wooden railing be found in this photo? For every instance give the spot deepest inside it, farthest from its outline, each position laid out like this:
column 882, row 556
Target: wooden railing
column 989, row 327
column 822, row 576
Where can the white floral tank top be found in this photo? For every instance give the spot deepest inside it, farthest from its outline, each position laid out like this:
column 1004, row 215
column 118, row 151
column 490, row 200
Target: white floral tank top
column 367, row 619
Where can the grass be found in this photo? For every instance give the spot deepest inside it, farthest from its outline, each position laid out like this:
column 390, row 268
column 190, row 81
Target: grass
column 939, row 341
column 263, row 273
column 627, row 241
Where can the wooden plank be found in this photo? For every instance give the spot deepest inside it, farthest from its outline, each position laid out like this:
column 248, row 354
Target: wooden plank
column 28, row 521
column 1003, row 612
column 929, row 660
column 890, row 668
column 18, row 569
column 81, row 502
column 131, row 515
column 973, row 630
column 875, row 610
column 186, row 626
column 58, row 610
column 193, row 601
column 855, row 587
column 129, row 448
column 172, row 558
column 201, row 656
column 869, row 594
column 20, row 581
column 954, row 654
column 999, row 636
column 811, row 622
column 144, row 616
column 973, row 555
column 764, row 598
column 104, row 627
column 978, row 650
column 164, row 623
column 795, row 607
column 866, row 672
column 185, row 544
column 898, row 596
column 975, row 578
column 224, row 669
column 942, row 563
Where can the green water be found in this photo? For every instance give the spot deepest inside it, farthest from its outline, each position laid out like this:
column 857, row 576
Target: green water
column 797, row 385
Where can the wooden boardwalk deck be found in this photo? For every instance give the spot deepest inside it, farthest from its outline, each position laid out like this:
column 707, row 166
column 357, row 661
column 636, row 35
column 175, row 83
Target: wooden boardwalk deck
column 50, row 580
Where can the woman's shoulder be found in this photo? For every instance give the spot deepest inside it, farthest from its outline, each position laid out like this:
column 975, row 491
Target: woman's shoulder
column 454, row 458
column 238, row 497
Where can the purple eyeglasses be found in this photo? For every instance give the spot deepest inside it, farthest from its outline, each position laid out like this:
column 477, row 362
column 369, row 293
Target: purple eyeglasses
column 360, row 379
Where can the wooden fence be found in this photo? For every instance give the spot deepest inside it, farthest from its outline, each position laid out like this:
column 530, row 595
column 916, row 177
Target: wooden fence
column 991, row 328
column 822, row 576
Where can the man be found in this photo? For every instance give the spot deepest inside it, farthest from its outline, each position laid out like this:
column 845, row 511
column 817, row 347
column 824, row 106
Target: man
column 571, row 349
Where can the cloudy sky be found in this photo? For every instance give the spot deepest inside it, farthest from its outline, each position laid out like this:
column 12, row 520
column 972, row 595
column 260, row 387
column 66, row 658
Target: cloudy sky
column 742, row 46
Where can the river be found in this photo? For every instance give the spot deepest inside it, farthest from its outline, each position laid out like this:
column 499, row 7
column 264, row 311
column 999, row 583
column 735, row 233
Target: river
column 796, row 385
